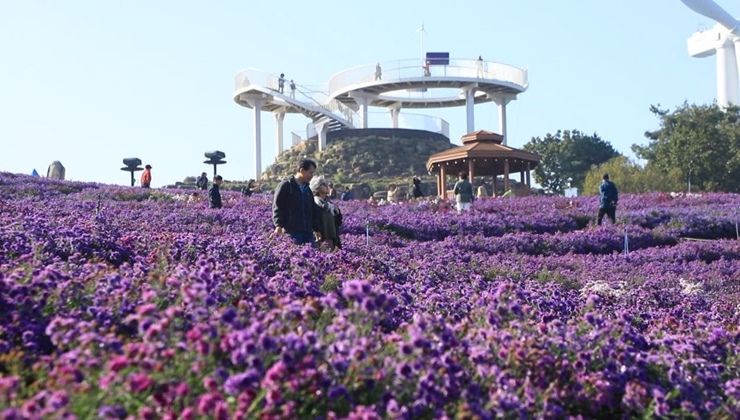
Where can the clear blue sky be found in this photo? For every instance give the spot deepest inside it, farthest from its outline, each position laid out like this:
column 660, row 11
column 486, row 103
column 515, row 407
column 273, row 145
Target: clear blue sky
column 89, row 82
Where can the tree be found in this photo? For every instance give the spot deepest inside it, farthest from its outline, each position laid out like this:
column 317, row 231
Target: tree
column 631, row 177
column 701, row 141
column 567, row 157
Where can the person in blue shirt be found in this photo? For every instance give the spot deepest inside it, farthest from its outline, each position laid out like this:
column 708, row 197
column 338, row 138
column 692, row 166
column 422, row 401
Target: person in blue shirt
column 608, row 198
column 293, row 209
column 347, row 194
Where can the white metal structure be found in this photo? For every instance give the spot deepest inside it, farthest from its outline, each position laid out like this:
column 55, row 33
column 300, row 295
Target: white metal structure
column 392, row 85
column 723, row 40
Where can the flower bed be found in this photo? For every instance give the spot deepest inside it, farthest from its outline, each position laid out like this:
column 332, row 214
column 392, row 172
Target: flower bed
column 118, row 302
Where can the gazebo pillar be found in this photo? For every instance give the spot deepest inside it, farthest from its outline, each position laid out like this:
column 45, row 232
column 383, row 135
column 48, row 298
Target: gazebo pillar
column 439, row 181
column 506, row 174
column 442, row 183
column 471, row 170
column 521, row 177
column 529, row 170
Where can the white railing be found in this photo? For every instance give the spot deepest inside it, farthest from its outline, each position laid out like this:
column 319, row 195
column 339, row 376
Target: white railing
column 318, row 98
column 412, row 69
column 412, row 121
column 311, row 98
column 382, row 120
column 323, row 100
column 251, row 77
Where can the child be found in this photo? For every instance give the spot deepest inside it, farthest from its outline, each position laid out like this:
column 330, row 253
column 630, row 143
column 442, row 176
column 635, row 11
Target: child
column 214, row 195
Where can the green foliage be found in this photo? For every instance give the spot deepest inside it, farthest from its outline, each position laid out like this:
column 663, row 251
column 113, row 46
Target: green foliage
column 701, row 141
column 566, row 157
column 630, row 177
column 331, row 284
column 547, row 276
column 341, row 178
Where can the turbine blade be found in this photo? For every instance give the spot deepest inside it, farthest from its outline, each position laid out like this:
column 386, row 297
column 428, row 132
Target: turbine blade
column 713, row 11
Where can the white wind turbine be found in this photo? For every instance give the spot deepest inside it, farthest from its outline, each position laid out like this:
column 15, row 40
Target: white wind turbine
column 723, row 40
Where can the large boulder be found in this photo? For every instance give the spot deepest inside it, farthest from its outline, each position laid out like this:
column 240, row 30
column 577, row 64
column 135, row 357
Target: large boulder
column 56, row 170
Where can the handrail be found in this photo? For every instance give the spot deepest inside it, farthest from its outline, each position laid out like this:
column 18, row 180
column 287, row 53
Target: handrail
column 323, row 100
column 248, row 77
column 415, row 121
column 330, row 104
column 411, row 69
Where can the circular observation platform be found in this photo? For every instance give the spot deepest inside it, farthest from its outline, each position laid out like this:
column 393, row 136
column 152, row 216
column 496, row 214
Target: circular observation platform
column 407, row 84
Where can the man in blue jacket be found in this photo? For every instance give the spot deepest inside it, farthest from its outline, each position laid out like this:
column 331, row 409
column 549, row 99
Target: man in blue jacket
column 293, row 210
column 608, row 198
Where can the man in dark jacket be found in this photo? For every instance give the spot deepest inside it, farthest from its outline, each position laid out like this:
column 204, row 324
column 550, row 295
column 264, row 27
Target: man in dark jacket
column 464, row 194
column 214, row 195
column 202, row 182
column 293, row 210
column 608, row 198
column 416, row 190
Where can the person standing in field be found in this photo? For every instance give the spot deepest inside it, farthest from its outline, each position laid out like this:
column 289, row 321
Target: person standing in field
column 146, row 177
column 202, row 182
column 464, row 194
column 331, row 217
column 293, row 209
column 214, row 194
column 608, row 198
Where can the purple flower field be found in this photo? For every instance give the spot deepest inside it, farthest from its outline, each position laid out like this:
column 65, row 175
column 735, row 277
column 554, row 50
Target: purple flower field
column 120, row 302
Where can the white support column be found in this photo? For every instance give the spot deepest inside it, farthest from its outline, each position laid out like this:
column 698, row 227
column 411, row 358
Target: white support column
column 256, row 101
column 727, row 80
column 363, row 103
column 279, row 118
column 501, row 100
column 736, row 42
column 321, row 129
column 363, row 100
column 469, row 94
column 394, row 109
column 258, row 139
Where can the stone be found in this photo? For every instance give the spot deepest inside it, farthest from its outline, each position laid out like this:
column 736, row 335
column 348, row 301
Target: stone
column 56, row 170
column 368, row 175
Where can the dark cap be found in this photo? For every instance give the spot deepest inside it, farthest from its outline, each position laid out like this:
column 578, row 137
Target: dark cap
column 148, row 166
column 605, row 176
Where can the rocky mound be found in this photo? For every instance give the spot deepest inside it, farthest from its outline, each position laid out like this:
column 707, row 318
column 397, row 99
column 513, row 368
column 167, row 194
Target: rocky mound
column 364, row 155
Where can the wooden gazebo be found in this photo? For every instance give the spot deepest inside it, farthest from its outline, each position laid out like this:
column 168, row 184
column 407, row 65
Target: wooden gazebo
column 483, row 154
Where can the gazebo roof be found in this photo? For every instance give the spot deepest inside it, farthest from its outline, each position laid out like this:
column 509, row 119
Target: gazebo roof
column 488, row 153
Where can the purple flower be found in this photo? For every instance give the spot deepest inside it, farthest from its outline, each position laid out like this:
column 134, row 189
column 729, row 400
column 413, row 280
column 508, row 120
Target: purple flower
column 112, row 412
column 732, row 389
column 228, row 315
column 139, row 382
column 337, row 392
column 242, row 381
